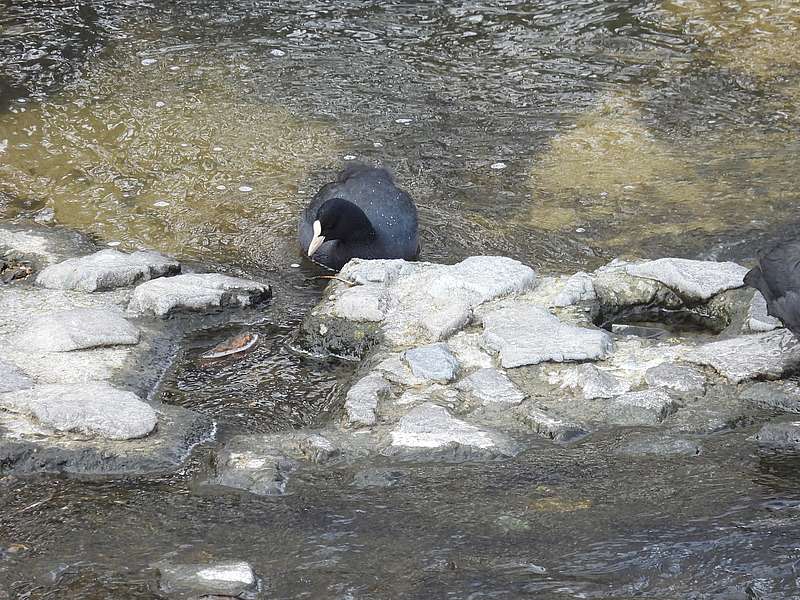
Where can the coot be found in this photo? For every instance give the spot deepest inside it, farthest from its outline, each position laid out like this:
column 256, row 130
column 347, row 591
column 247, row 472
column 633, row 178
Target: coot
column 777, row 277
column 360, row 215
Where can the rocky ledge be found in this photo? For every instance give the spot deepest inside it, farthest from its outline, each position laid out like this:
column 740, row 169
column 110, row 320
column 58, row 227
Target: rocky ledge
column 483, row 360
column 83, row 346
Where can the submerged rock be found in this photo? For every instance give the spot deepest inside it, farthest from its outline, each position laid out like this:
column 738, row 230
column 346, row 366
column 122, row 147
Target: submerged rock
column 659, row 445
column 783, row 396
column 691, row 279
column 222, row 579
column 784, row 435
column 433, row 362
column 12, row 378
column 106, row 270
column 361, row 403
column 195, row 292
column 253, row 464
column 76, row 329
column 89, row 409
column 527, row 335
column 647, row 407
column 492, row 386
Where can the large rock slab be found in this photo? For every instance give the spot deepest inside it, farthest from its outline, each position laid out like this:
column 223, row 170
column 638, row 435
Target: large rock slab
column 527, row 335
column 222, row 579
column 433, row 362
column 761, row 355
column 12, row 378
column 361, row 402
column 195, row 292
column 106, row 270
column 492, row 387
column 91, row 409
column 76, row 329
column 430, row 431
column 691, row 279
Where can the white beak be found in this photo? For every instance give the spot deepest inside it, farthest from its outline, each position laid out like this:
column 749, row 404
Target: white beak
column 317, row 240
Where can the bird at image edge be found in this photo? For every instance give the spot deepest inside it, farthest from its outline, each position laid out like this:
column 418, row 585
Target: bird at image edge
column 777, row 277
column 362, row 214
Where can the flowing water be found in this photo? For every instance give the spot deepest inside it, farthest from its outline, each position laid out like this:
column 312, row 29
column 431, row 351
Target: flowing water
column 558, row 133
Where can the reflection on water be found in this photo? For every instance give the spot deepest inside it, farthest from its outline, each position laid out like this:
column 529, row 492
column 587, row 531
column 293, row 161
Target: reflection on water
column 201, row 127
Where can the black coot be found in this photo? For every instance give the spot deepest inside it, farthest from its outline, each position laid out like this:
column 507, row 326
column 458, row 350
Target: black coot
column 360, row 215
column 777, row 277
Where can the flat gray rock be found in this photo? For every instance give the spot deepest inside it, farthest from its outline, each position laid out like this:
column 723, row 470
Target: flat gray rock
column 674, row 377
column 106, row 270
column 253, row 464
column 780, row 395
column 694, row 279
column 527, row 335
column 12, row 378
column 432, row 428
column 89, row 409
column 593, row 383
column 228, row 579
column 63, row 331
column 758, row 319
column 492, row 386
column 195, row 292
column 552, row 426
column 467, row 349
column 433, row 362
column 361, row 402
column 780, row 435
column 760, row 355
column 648, row 407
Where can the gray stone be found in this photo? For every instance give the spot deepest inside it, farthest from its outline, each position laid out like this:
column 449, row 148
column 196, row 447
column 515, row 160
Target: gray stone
column 758, row 319
column 553, row 427
column 228, row 579
column 614, row 287
column 648, row 407
column 433, row 362
column 91, row 409
column 195, row 292
column 395, row 369
column 432, row 429
column 44, row 246
column 76, row 329
column 492, row 386
column 252, row 463
column 12, row 378
column 780, row 395
column 780, row 435
column 759, row 355
column 361, row 303
column 659, row 445
column 578, row 288
column 528, row 335
column 466, row 347
column 377, row 477
column 318, row 449
column 105, row 270
column 678, row 378
column 362, row 398
column 692, row 279
column 593, row 382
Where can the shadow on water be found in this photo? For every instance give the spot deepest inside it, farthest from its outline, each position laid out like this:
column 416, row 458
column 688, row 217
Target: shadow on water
column 559, row 133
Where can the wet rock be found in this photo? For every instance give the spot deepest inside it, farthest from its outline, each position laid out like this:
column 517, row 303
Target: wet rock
column 45, row 246
column 783, row 395
column 678, row 378
column 106, row 270
column 553, row 427
column 430, row 431
column 691, row 279
column 466, row 347
column 253, row 464
column 433, row 362
column 91, row 409
column 712, row 414
column 362, row 399
column 226, row 579
column 526, row 335
column 784, row 435
column 659, row 445
column 76, row 329
column 195, row 292
column 377, row 477
column 491, row 386
column 318, row 449
column 593, row 382
column 758, row 319
column 761, row 355
column 578, row 288
column 648, row 407
column 12, row 378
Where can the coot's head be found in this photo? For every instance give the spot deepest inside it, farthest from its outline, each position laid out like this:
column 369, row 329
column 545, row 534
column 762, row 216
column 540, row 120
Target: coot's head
column 338, row 219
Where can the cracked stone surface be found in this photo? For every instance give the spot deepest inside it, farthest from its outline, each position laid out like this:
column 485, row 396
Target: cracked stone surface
column 76, row 329
column 694, row 279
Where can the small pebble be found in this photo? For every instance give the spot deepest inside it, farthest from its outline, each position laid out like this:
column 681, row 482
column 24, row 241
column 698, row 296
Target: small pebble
column 277, row 52
column 160, row 204
column 331, row 297
column 245, row 188
column 349, row 157
column 403, row 121
column 580, row 230
column 148, row 61
column 377, row 144
column 295, row 265
column 475, row 18
column 113, row 244
column 22, row 100
column 184, row 145
column 221, row 187
column 160, row 104
column 498, row 165
column 217, row 148
column 174, row 68
column 468, row 34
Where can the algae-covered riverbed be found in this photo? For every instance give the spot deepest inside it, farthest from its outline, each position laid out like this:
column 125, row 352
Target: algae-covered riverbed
column 561, row 134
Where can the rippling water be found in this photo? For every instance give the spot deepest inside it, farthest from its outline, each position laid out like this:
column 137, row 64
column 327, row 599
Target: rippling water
column 559, row 133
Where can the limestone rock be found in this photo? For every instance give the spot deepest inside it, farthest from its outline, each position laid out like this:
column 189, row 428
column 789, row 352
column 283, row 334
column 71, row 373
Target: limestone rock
column 223, row 579
column 76, row 329
column 678, row 378
column 780, row 395
column 195, row 292
column 362, row 398
column 552, row 426
column 593, row 382
column 758, row 319
column 466, row 347
column 91, row 409
column 692, row 279
column 492, row 386
column 527, row 335
column 614, row 287
column 105, row 270
column 318, row 449
column 12, row 378
column 648, row 407
column 433, row 362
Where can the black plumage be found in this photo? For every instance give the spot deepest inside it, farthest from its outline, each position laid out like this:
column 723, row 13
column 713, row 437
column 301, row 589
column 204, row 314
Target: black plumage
column 361, row 215
column 777, row 277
